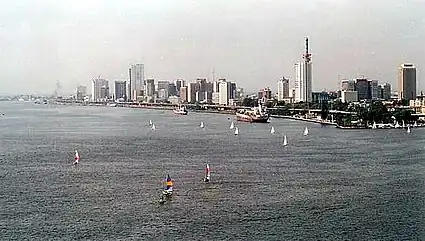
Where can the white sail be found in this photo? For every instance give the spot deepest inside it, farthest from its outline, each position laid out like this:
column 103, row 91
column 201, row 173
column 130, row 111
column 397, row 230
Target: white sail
column 374, row 125
column 306, row 131
column 285, row 141
column 202, row 124
column 408, row 129
column 236, row 131
column 272, row 131
column 150, row 122
column 77, row 157
column 153, row 127
column 415, row 124
column 232, row 125
column 404, row 124
column 207, row 173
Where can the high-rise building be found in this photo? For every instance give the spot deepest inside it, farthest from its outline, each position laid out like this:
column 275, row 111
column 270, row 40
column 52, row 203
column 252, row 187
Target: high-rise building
column 81, row 92
column 348, row 85
column 224, row 92
column 150, row 88
column 386, row 91
column 407, row 81
column 179, row 83
column 373, row 89
column 100, row 89
column 282, row 89
column 192, row 88
column 362, row 88
column 120, row 90
column 303, row 80
column 137, row 80
column 172, row 89
column 183, row 94
column 163, row 85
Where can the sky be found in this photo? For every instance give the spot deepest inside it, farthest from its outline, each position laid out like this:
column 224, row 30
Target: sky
column 251, row 42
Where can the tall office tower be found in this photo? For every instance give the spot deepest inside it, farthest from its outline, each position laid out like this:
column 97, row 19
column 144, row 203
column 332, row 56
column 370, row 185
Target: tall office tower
column 224, row 92
column 150, row 87
column 348, row 85
column 282, row 89
column 303, row 80
column 100, row 89
column 407, row 81
column 81, row 92
column 120, row 90
column 137, row 80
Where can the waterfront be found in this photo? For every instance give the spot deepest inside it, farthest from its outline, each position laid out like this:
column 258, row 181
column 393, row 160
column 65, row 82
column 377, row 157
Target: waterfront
column 332, row 184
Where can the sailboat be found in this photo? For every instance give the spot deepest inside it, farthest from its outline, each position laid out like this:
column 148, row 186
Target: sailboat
column 202, row 124
column 415, row 124
column 77, row 157
column 236, row 131
column 153, row 127
column 168, row 191
column 232, row 126
column 207, row 177
column 374, row 125
column 285, row 141
column 272, row 131
column 150, row 122
column 306, row 131
column 408, row 129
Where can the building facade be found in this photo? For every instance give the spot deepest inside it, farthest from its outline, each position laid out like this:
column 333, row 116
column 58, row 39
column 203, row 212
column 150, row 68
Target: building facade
column 137, row 80
column 100, row 89
column 282, row 89
column 120, row 89
column 407, row 82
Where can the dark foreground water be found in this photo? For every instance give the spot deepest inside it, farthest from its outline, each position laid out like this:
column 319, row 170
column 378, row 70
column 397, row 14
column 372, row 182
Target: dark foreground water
column 330, row 185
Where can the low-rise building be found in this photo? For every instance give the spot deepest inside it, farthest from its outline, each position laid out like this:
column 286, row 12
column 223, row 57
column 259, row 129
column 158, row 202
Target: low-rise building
column 349, row 96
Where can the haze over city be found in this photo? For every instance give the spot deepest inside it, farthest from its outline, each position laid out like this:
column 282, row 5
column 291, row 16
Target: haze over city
column 253, row 43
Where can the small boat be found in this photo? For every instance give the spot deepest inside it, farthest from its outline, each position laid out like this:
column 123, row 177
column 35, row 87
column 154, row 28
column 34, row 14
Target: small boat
column 168, row 191
column 255, row 114
column 150, row 122
column 397, row 125
column 272, row 131
column 202, row 124
column 153, row 127
column 374, row 125
column 77, row 157
column 408, row 129
column 207, row 177
column 236, row 131
column 232, row 126
column 181, row 110
column 285, row 141
column 306, row 131
column 415, row 124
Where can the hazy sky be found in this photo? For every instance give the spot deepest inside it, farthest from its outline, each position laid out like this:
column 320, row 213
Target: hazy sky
column 251, row 42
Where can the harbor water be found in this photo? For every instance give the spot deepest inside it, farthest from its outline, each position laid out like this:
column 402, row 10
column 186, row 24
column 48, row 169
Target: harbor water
column 330, row 185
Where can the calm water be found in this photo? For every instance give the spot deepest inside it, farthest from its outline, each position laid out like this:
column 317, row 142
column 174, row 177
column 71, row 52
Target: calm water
column 330, row 185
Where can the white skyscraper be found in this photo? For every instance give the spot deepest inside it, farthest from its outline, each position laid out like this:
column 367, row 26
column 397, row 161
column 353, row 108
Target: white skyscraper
column 100, row 89
column 283, row 89
column 303, row 78
column 137, row 80
column 224, row 92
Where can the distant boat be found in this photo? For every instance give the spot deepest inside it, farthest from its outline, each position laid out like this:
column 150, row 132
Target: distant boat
column 202, row 124
column 77, row 157
column 168, row 190
column 150, row 122
column 207, row 177
column 306, row 131
column 415, row 124
column 272, row 131
column 232, row 125
column 236, row 131
column 408, row 129
column 285, row 141
column 181, row 110
column 397, row 125
column 374, row 125
column 153, row 127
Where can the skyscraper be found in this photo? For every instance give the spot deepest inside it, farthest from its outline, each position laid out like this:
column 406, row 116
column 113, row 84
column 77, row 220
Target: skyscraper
column 120, row 90
column 282, row 89
column 303, row 80
column 407, row 82
column 137, row 80
column 100, row 89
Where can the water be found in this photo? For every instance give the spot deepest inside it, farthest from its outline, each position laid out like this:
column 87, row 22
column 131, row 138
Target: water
column 330, row 185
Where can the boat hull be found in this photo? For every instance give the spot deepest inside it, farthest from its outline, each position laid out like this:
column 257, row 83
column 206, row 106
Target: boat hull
column 177, row 112
column 252, row 119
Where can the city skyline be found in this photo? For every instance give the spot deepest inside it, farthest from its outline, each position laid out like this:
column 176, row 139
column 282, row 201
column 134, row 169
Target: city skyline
column 71, row 42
